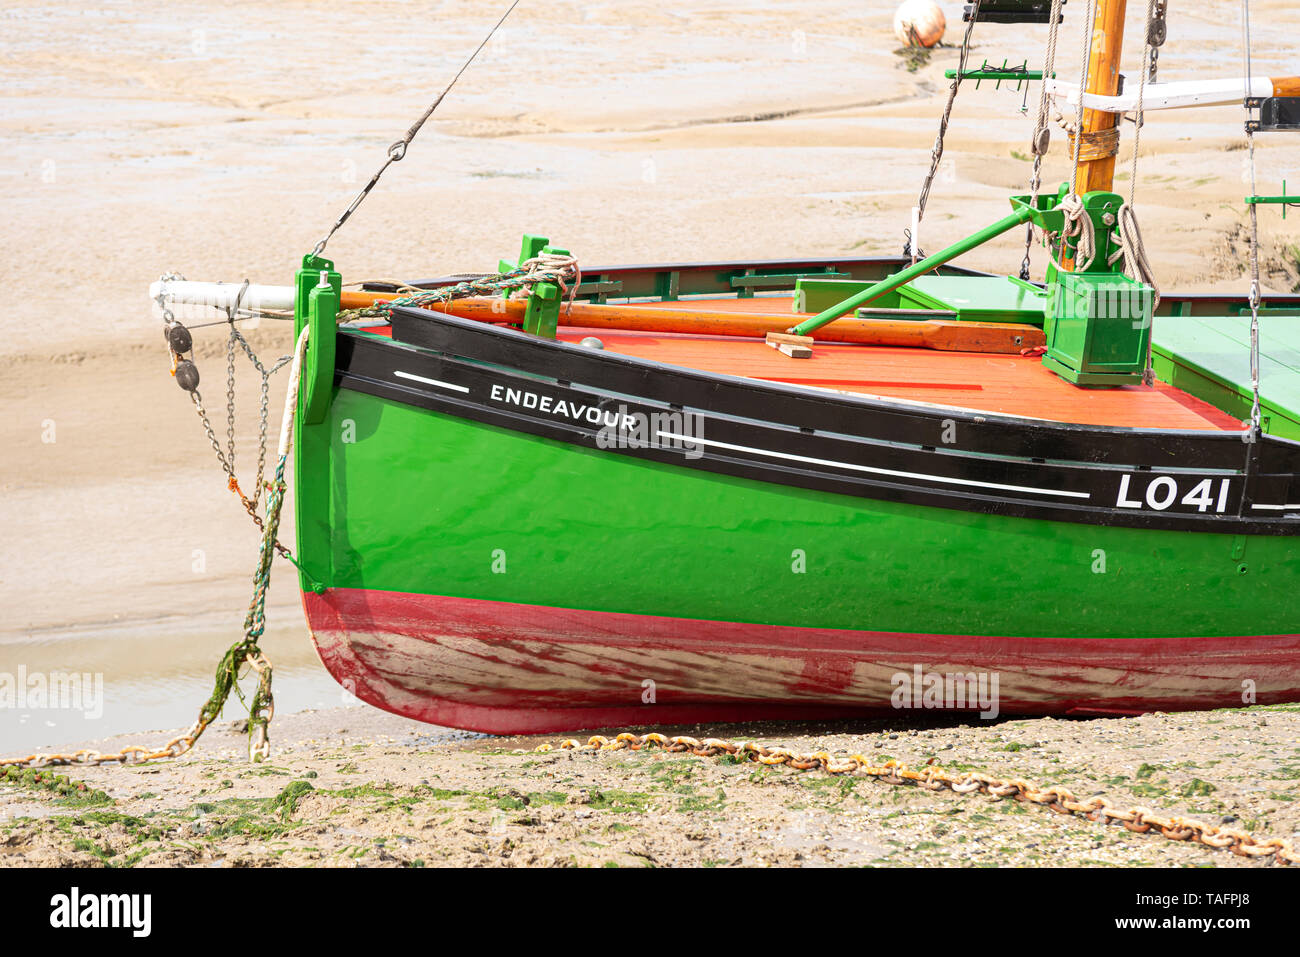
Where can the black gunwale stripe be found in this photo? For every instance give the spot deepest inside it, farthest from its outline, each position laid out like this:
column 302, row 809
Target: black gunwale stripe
column 847, row 414
column 369, row 364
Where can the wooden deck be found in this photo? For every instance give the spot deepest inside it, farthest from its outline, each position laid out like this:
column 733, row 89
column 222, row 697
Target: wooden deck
column 1006, row 384
column 1012, row 385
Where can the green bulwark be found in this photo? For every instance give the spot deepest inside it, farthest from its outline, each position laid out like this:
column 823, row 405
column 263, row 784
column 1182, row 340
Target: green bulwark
column 1209, row 357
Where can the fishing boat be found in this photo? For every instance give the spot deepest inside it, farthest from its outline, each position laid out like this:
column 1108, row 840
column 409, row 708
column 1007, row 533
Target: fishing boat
column 555, row 497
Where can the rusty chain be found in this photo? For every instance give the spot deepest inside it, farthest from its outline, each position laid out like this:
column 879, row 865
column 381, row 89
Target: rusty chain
column 241, row 653
column 227, row 674
column 131, row 754
column 934, row 778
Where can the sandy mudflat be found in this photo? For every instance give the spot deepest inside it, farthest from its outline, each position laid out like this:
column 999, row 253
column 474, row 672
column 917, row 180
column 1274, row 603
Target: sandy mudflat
column 353, row 787
column 221, row 142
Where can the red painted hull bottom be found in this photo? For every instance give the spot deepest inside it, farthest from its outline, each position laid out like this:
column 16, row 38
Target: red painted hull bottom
column 506, row 668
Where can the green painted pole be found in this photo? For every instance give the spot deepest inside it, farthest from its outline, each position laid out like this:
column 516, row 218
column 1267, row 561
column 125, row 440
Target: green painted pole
column 1021, row 216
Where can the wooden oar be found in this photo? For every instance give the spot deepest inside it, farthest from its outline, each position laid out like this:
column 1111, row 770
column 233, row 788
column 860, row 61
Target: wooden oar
column 940, row 334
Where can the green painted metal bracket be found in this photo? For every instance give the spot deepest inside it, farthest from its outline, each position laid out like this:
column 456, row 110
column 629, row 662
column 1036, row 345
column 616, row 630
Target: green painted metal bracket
column 1285, row 201
column 1021, row 215
column 542, row 315
column 1004, row 73
column 1102, row 208
column 1044, row 213
column 318, row 288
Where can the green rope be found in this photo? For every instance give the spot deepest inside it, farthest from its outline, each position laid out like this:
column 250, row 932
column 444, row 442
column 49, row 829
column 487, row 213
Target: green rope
column 246, row 650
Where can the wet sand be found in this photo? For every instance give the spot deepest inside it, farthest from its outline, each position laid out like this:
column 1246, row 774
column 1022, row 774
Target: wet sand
column 356, row 788
column 171, row 137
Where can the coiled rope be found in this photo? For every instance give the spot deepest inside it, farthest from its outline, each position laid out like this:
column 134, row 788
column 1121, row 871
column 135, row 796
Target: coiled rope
column 561, row 269
column 1079, row 227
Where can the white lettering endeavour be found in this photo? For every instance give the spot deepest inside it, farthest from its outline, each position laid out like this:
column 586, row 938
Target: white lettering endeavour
column 577, row 412
column 616, row 427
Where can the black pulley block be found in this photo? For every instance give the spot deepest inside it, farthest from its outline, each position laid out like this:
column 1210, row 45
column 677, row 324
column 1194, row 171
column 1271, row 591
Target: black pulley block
column 179, row 338
column 187, row 375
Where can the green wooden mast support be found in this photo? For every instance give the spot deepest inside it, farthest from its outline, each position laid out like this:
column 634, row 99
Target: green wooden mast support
column 542, row 314
column 1022, row 215
column 318, row 289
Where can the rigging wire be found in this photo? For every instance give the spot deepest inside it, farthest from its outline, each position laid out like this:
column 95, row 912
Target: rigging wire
column 1089, row 26
column 398, row 149
column 1254, row 236
column 1131, row 247
column 1042, row 131
column 1078, row 224
column 936, row 154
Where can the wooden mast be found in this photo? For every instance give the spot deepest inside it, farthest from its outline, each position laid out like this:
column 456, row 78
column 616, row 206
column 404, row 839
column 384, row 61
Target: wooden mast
column 1100, row 129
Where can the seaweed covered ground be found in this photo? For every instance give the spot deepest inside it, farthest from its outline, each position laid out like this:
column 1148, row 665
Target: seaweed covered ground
column 353, row 787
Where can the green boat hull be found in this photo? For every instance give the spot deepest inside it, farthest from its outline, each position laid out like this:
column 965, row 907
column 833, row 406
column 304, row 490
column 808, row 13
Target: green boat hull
column 470, row 574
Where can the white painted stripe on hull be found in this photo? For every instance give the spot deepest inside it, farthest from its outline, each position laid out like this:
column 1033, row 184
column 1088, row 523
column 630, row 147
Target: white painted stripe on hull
column 874, row 470
column 434, row 382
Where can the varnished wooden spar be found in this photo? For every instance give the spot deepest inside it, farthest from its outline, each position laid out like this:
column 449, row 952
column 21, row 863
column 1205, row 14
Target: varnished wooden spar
column 1103, row 78
column 940, row 334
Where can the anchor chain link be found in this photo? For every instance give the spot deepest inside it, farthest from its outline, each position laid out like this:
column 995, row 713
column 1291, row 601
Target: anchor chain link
column 932, row 777
column 241, row 653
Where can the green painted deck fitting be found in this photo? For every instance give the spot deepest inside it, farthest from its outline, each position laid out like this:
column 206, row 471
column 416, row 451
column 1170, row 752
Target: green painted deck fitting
column 542, row 314
column 1284, row 200
column 978, row 298
column 1021, row 215
column 1209, row 357
column 969, row 298
column 1097, row 327
column 1004, row 73
column 746, row 281
column 995, row 73
column 818, row 295
column 318, row 288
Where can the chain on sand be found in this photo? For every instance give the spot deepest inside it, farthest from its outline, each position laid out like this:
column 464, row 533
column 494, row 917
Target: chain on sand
column 241, row 653
column 227, row 672
column 934, row 778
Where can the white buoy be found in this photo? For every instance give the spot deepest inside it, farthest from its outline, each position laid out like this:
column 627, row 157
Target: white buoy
column 919, row 23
